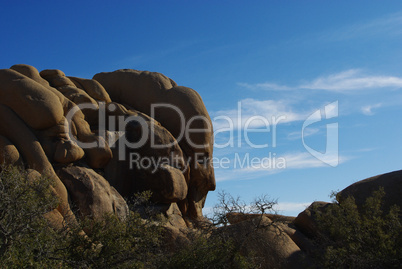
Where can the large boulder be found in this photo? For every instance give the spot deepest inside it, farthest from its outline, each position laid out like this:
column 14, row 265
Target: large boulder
column 161, row 169
column 306, row 221
column 91, row 193
column 63, row 84
column 31, row 101
column 181, row 111
column 361, row 190
column 9, row 154
column 92, row 88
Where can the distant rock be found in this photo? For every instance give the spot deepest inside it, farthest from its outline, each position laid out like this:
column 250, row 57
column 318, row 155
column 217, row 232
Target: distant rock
column 306, row 221
column 361, row 190
column 265, row 241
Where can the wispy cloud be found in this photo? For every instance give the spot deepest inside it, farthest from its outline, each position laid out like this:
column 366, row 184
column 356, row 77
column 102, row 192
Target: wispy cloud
column 345, row 81
column 298, row 134
column 264, row 86
column 351, row 80
column 389, row 25
column 252, row 113
column 368, row 110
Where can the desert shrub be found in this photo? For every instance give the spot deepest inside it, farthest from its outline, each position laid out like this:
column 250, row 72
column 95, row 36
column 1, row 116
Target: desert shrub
column 27, row 240
column 365, row 237
column 25, row 236
column 207, row 252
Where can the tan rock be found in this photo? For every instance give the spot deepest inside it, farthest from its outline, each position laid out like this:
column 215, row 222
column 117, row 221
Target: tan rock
column 306, row 221
column 141, row 90
column 14, row 129
column 55, row 140
column 159, row 169
column 36, row 106
column 63, row 84
column 235, row 217
column 57, row 144
column 9, row 154
column 91, row 193
column 31, row 72
column 93, row 88
column 302, row 241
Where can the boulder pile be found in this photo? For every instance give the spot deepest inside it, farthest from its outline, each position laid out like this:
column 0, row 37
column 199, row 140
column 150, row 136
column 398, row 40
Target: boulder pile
column 108, row 138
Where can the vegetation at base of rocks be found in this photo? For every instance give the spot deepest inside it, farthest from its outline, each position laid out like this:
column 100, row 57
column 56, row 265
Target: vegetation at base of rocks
column 27, row 240
column 23, row 229
column 365, row 237
column 208, row 252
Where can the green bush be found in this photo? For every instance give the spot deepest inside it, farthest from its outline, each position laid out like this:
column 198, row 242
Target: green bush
column 27, row 240
column 208, row 252
column 363, row 237
column 25, row 237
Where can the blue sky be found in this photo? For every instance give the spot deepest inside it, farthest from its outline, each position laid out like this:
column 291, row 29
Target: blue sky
column 277, row 58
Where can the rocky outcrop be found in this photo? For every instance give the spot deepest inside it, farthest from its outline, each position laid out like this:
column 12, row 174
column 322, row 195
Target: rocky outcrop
column 88, row 127
column 361, row 190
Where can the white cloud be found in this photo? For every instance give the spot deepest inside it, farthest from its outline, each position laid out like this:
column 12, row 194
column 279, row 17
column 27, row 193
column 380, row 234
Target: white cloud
column 253, row 113
column 345, row 81
column 389, row 25
column 264, row 86
column 352, row 80
column 368, row 110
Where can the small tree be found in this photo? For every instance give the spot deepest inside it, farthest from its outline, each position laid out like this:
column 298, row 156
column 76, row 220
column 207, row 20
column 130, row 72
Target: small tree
column 228, row 204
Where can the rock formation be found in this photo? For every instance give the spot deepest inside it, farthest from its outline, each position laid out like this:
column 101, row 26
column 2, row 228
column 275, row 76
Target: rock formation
column 75, row 130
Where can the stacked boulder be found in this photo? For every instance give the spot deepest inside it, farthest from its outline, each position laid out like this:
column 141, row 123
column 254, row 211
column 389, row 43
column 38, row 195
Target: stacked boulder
column 106, row 138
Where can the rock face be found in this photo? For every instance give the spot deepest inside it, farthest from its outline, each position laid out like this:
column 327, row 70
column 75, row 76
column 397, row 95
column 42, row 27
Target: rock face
column 91, row 193
column 306, row 220
column 51, row 121
column 178, row 109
